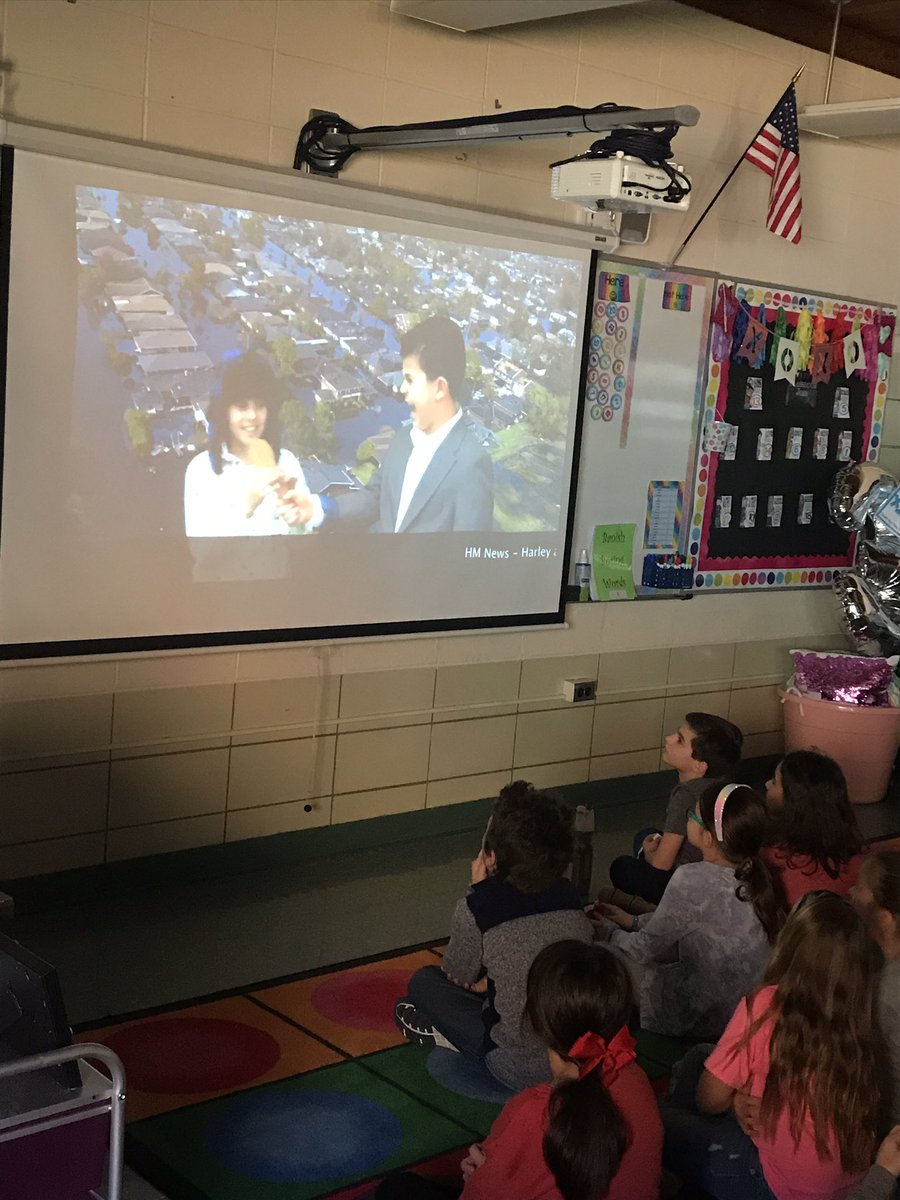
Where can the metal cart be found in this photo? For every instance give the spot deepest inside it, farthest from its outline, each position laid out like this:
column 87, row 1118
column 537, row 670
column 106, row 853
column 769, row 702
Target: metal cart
column 55, row 1141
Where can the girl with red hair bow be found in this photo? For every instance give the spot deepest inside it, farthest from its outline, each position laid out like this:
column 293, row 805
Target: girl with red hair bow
column 595, row 1132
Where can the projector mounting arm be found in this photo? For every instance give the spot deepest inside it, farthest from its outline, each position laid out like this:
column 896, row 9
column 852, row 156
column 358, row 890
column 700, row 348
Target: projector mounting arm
column 327, row 141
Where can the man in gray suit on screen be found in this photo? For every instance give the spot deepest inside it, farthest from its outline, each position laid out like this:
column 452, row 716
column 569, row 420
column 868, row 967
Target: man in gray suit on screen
column 436, row 475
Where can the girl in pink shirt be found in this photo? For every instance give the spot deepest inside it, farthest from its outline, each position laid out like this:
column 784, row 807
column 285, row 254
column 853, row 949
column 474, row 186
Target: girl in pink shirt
column 595, row 1132
column 814, row 841
column 802, row 1050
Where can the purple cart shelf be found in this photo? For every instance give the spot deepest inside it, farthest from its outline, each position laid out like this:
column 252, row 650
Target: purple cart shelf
column 56, row 1142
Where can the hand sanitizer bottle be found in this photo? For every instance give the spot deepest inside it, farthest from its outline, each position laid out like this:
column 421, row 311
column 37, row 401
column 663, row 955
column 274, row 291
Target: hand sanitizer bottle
column 583, row 575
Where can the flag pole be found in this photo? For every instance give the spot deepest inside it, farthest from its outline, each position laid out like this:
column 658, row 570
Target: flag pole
column 675, row 257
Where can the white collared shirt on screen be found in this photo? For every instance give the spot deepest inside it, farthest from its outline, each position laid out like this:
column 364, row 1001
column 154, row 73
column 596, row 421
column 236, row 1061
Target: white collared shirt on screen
column 424, row 448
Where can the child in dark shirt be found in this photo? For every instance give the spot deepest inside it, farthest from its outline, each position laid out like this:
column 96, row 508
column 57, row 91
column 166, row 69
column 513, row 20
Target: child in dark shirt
column 704, row 750
column 519, row 902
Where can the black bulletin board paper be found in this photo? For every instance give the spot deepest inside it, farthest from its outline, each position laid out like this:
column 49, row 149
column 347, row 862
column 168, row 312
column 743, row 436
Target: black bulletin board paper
column 747, row 397
column 781, row 476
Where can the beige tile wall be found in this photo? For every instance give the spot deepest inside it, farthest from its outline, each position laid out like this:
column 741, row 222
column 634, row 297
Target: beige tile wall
column 435, row 738
column 106, row 760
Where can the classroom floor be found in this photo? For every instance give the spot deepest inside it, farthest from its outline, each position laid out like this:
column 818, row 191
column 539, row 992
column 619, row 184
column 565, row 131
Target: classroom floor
column 198, row 939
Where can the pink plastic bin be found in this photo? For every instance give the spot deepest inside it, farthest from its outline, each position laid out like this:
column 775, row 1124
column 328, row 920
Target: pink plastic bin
column 862, row 740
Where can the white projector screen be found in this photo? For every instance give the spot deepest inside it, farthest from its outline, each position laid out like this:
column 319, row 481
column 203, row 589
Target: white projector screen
column 223, row 424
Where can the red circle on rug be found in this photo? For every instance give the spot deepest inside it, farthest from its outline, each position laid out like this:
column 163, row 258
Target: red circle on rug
column 361, row 999
column 184, row 1056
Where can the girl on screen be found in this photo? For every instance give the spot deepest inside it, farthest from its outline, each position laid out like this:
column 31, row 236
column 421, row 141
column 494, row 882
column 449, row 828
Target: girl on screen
column 245, row 484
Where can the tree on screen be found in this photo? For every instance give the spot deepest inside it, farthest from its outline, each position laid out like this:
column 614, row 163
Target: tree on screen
column 309, row 433
column 546, row 414
column 285, row 352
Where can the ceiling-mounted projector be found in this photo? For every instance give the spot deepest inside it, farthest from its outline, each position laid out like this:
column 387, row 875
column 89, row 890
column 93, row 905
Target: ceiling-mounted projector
column 621, row 183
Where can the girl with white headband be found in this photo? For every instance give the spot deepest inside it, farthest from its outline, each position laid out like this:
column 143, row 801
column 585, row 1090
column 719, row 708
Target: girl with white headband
column 707, row 943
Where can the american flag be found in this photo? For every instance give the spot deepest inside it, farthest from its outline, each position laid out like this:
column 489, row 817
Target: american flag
column 776, row 150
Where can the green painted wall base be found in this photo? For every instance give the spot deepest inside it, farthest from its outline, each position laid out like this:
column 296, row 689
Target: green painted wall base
column 41, row 892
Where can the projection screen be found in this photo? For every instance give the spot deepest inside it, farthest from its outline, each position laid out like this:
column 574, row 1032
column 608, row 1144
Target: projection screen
column 235, row 416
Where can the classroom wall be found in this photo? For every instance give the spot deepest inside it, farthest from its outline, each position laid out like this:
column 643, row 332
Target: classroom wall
column 105, row 760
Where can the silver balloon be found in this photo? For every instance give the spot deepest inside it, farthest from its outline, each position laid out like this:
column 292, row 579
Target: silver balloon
column 877, row 531
column 881, row 571
column 858, row 489
column 862, row 622
column 869, row 595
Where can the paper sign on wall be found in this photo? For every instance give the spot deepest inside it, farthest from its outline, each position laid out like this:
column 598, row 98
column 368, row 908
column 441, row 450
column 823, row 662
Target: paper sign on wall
column 612, row 577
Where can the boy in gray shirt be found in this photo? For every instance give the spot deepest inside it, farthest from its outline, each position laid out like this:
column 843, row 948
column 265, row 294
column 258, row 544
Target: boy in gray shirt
column 704, row 750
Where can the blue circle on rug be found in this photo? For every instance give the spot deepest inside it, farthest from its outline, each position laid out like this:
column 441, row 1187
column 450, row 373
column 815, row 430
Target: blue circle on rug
column 292, row 1137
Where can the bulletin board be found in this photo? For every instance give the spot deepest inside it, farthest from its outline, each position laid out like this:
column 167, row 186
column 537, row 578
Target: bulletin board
column 796, row 387
column 641, row 405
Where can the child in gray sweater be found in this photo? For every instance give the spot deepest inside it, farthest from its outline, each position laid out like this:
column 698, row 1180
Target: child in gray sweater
column 519, row 903
column 707, row 943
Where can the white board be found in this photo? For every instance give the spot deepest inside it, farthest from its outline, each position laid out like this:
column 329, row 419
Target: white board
column 643, row 395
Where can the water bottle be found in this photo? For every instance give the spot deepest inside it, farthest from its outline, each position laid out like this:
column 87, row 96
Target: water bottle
column 583, row 575
column 583, row 852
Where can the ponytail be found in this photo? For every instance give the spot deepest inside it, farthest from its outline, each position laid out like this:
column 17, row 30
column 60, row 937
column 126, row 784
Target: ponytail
column 578, row 1002
column 586, row 1138
column 739, row 831
column 755, row 885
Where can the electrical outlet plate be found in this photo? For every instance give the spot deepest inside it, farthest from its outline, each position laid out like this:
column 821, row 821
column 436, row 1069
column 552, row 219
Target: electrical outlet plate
column 578, row 690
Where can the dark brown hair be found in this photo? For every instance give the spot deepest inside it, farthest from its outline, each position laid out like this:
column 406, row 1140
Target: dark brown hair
column 824, row 1046
column 574, row 989
column 437, row 342
column 816, row 820
column 743, row 826
column 717, row 742
column 245, row 377
column 531, row 834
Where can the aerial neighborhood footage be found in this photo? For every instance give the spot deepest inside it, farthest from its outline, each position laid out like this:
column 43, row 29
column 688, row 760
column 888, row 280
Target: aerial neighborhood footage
column 170, row 290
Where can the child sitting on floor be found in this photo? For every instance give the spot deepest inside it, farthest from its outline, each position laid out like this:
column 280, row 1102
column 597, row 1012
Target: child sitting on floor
column 704, row 750
column 519, row 903
column 595, row 1133
column 805, row 1045
column 813, row 840
column 876, row 894
column 708, row 942
column 881, row 1180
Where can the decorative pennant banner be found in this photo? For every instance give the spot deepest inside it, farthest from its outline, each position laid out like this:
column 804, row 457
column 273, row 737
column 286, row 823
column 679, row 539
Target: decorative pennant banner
column 870, row 352
column 778, row 333
column 838, row 333
column 739, row 327
column 786, row 360
column 723, row 323
column 854, row 353
column 821, row 362
column 761, row 352
column 803, row 337
column 753, row 345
